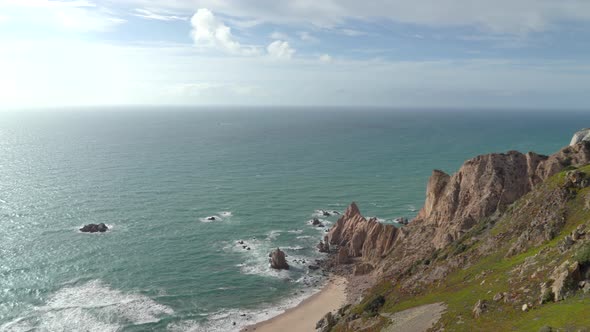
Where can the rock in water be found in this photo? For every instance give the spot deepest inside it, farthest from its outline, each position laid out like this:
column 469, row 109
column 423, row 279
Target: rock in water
column 278, row 261
column 581, row 136
column 211, row 218
column 317, row 222
column 323, row 247
column 94, row 228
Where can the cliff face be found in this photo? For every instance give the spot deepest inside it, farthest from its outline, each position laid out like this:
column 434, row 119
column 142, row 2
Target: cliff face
column 364, row 238
column 485, row 185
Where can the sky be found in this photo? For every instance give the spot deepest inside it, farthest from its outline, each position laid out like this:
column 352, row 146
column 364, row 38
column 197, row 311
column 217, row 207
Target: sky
column 389, row 53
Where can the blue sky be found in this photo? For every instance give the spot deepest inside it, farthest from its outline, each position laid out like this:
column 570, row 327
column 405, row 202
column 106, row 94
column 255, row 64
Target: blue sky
column 421, row 53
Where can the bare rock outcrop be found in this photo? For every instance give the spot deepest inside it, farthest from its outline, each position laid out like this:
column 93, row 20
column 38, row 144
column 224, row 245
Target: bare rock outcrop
column 364, row 238
column 323, row 246
column 581, row 136
column 343, row 257
column 94, row 228
column 277, row 260
column 486, row 185
column 565, row 279
column 479, row 308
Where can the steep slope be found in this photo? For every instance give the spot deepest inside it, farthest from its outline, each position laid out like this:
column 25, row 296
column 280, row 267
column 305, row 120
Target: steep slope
column 500, row 213
column 546, row 283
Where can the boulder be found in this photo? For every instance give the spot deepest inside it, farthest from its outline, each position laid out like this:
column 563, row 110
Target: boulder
column 565, row 279
column 343, row 257
column 326, row 323
column 566, row 244
column 498, row 297
column 277, row 260
column 363, row 268
column 323, row 246
column 211, row 218
column 576, row 179
column 401, row 220
column 479, row 308
column 525, row 307
column 94, row 228
column 313, row 267
column 546, row 294
column 316, row 222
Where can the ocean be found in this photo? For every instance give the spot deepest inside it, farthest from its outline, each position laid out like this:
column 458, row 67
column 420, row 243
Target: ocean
column 155, row 174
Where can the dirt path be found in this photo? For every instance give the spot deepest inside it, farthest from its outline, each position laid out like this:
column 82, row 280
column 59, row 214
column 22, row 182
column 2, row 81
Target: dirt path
column 418, row 319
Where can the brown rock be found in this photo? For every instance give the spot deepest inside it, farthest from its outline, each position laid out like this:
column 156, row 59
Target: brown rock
column 361, row 237
column 323, row 247
column 479, row 308
column 277, row 260
column 487, row 184
column 343, row 257
column 363, row 268
column 565, row 277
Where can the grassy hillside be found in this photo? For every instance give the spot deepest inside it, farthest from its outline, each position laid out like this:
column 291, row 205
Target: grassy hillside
column 491, row 269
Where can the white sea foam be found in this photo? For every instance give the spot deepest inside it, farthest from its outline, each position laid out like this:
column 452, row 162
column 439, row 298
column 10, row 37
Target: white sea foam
column 224, row 320
column 293, row 248
column 92, row 306
column 206, row 219
column 225, row 214
column 295, row 231
column 272, row 235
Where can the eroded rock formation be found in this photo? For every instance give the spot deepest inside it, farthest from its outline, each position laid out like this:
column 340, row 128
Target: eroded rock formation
column 488, row 184
column 94, row 228
column 278, row 260
column 361, row 237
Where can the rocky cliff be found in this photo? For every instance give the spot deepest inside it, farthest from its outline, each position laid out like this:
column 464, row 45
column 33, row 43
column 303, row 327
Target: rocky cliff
column 364, row 238
column 482, row 188
column 486, row 185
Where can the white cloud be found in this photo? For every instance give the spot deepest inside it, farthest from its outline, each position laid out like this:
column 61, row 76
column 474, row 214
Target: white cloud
column 82, row 73
column 154, row 15
column 499, row 16
column 279, row 49
column 307, row 37
column 352, row 32
column 325, row 58
column 278, row 35
column 206, row 28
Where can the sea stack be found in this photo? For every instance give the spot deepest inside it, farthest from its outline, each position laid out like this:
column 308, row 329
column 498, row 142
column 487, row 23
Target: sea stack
column 277, row 260
column 94, row 228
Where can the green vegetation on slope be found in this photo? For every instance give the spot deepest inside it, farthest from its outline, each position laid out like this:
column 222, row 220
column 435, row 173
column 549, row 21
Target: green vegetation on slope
column 513, row 279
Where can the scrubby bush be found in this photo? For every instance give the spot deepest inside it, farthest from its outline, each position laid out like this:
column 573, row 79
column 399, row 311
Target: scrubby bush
column 566, row 162
column 373, row 306
column 583, row 255
column 459, row 248
column 570, row 168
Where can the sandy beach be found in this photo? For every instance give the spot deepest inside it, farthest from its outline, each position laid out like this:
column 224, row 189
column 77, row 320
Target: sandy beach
column 304, row 316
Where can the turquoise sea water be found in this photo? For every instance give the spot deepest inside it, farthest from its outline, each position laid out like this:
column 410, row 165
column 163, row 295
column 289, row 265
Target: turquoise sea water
column 155, row 174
